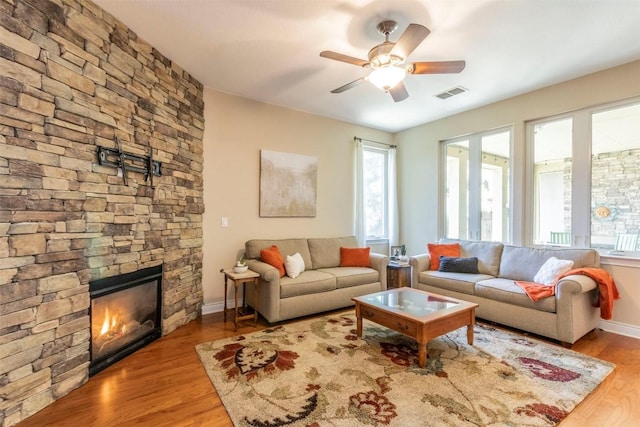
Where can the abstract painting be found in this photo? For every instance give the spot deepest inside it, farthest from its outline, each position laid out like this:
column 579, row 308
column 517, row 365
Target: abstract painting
column 288, row 184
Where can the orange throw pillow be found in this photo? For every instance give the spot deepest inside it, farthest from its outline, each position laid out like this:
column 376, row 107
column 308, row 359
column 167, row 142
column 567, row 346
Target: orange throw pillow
column 355, row 257
column 437, row 249
column 272, row 256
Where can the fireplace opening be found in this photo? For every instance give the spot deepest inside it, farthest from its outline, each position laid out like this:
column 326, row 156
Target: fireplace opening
column 125, row 315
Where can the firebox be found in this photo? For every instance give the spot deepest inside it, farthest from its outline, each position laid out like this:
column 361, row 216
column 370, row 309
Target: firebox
column 125, row 315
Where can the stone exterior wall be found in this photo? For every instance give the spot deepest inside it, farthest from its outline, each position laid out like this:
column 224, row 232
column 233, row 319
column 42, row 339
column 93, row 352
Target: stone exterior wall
column 616, row 184
column 73, row 78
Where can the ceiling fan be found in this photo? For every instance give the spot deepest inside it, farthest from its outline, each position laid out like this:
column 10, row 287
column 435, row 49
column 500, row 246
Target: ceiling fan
column 388, row 61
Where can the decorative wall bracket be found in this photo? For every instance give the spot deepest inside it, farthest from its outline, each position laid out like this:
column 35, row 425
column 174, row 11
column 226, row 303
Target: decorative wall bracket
column 129, row 162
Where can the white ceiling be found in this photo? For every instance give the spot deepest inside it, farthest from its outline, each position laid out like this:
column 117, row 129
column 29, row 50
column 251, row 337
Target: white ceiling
column 268, row 50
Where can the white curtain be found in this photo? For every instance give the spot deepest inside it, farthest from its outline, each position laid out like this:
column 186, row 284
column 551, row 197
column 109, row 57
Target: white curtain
column 360, row 229
column 392, row 181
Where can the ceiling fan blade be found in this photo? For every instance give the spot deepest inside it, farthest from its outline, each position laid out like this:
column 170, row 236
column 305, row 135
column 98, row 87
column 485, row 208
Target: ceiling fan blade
column 437, row 67
column 399, row 92
column 409, row 40
column 348, row 85
column 343, row 58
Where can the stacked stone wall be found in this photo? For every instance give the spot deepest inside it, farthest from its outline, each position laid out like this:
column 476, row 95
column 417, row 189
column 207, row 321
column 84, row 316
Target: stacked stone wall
column 615, row 184
column 73, row 78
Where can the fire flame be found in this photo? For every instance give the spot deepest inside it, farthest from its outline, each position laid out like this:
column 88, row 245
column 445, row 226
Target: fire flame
column 111, row 325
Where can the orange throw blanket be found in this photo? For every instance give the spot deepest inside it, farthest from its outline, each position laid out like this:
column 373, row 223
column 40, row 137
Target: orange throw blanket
column 606, row 285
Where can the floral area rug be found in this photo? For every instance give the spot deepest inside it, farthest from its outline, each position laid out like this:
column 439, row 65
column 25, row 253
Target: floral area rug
column 317, row 372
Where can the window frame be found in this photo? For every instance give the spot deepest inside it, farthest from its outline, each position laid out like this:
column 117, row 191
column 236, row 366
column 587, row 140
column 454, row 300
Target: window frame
column 581, row 191
column 531, row 203
column 474, row 180
column 384, row 151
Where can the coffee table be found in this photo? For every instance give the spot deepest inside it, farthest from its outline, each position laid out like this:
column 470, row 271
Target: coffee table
column 417, row 314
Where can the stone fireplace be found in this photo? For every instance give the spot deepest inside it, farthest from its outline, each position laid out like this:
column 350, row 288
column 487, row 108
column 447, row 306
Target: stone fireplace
column 72, row 79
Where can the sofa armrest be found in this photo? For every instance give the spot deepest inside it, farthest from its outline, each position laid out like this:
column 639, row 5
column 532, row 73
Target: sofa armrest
column 266, row 271
column 419, row 263
column 268, row 290
column 576, row 314
column 575, row 284
column 379, row 262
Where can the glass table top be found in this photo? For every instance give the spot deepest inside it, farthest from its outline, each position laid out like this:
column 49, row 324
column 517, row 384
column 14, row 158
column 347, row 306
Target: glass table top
column 409, row 301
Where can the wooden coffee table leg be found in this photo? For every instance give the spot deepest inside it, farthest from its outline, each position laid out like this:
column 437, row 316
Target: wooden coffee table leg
column 470, row 326
column 422, row 354
column 358, row 321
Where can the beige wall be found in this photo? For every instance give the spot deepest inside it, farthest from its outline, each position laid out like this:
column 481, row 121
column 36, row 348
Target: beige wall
column 625, row 316
column 236, row 129
column 418, row 154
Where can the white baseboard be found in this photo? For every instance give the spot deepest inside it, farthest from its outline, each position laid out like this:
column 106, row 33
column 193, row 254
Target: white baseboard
column 620, row 328
column 217, row 307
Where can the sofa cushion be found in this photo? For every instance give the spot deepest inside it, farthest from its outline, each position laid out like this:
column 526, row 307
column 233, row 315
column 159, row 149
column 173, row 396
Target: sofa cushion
column 551, row 269
column 286, row 246
column 352, row 276
column 522, row 263
column 309, row 282
column 505, row 290
column 273, row 257
column 294, row 265
column 355, row 257
column 459, row 282
column 326, row 252
column 488, row 254
column 458, row 265
column 436, row 250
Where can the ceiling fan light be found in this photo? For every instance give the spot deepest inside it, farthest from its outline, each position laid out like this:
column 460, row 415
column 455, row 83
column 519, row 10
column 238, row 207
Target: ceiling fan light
column 380, row 56
column 381, row 61
column 386, row 78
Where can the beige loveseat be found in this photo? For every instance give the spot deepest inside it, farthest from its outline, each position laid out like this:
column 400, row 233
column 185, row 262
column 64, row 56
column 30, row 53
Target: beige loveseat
column 323, row 286
column 566, row 317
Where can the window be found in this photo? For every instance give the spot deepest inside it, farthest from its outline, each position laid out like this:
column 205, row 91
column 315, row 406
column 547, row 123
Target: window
column 552, row 161
column 375, row 196
column 375, row 193
column 615, row 179
column 477, row 186
column 456, row 216
column 586, row 179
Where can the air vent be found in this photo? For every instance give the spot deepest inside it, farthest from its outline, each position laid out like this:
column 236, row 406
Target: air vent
column 451, row 92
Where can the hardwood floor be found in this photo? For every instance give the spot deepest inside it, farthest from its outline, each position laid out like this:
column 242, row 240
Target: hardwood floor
column 164, row 384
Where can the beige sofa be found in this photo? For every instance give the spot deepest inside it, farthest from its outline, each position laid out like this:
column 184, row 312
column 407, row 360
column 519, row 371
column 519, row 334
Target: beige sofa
column 323, row 286
column 566, row 317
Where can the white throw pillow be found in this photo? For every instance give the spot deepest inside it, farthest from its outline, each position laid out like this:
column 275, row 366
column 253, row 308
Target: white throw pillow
column 551, row 269
column 294, row 264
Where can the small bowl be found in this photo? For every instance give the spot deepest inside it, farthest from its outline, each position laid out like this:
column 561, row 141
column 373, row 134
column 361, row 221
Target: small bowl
column 240, row 269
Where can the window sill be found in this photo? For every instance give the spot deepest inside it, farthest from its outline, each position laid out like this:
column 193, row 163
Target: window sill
column 628, row 259
column 377, row 241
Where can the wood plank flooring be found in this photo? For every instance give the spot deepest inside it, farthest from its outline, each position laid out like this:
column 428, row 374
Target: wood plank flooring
column 164, row 384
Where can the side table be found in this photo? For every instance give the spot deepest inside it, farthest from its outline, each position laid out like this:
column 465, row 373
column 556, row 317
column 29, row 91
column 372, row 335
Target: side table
column 398, row 276
column 241, row 279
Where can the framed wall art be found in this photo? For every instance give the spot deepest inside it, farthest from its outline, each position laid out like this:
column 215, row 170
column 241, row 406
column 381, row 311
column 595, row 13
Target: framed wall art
column 395, row 252
column 288, row 184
